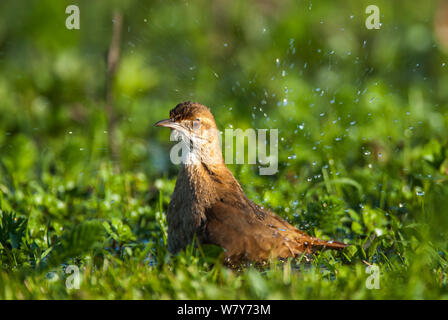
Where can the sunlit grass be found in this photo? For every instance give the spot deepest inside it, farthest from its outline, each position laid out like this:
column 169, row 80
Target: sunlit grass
column 362, row 119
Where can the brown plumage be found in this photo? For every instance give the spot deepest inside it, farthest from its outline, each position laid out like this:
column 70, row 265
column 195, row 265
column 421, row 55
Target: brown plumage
column 209, row 203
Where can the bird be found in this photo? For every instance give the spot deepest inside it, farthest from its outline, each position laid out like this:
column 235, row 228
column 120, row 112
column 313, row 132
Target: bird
column 208, row 203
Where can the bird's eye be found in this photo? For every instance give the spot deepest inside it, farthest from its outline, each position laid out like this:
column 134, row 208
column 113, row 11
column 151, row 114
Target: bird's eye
column 196, row 123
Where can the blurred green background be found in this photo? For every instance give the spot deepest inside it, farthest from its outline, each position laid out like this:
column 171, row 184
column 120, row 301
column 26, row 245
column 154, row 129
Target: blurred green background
column 362, row 119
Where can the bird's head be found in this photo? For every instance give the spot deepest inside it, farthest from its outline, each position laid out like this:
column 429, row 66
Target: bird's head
column 195, row 124
column 190, row 119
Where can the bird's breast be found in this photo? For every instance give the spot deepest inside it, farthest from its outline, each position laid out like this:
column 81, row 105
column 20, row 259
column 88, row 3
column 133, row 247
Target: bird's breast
column 186, row 213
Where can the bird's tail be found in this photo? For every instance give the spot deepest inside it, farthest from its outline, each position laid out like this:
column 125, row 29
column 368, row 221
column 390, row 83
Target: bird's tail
column 319, row 244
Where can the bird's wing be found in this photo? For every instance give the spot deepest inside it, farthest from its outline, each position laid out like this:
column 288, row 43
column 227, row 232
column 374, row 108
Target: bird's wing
column 244, row 237
column 249, row 232
column 247, row 235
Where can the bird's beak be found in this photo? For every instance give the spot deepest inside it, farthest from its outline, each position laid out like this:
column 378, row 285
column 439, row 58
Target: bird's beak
column 175, row 125
column 168, row 123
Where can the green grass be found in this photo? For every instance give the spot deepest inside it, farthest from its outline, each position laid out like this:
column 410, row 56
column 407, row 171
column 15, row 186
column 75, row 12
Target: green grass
column 362, row 118
column 111, row 226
